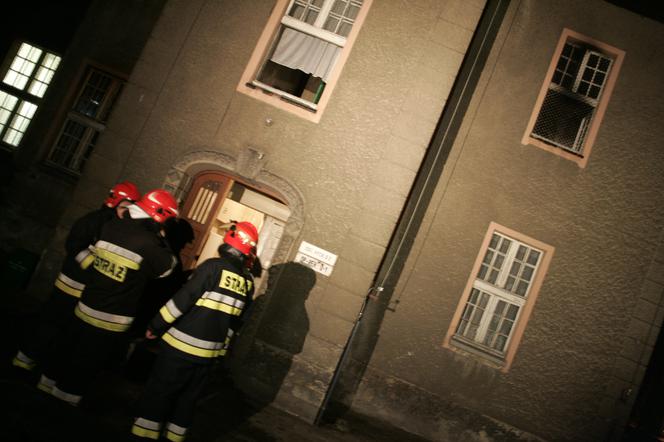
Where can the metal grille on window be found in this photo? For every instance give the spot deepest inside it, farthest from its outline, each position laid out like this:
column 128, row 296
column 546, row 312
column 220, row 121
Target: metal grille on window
column 573, row 95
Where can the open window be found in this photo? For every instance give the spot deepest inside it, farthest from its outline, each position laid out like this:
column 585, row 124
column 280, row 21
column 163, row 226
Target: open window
column 24, row 83
column 214, row 201
column 499, row 296
column 301, row 53
column 574, row 97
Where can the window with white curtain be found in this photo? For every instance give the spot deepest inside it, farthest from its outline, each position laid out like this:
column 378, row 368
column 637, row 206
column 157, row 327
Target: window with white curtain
column 24, row 84
column 500, row 294
column 305, row 49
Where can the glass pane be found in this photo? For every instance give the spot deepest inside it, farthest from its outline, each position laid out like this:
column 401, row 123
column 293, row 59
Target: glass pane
column 297, row 11
column 338, row 7
column 331, row 24
column 593, row 60
column 521, row 288
column 484, row 300
column 482, row 273
column 587, row 74
column 504, row 247
column 311, row 17
column 527, row 273
column 533, row 257
column 352, row 11
column 500, row 343
column 473, row 295
column 500, row 307
column 516, row 266
column 344, row 29
column 493, row 276
column 494, row 241
column 488, row 257
column 509, row 283
column 521, row 252
column 512, row 311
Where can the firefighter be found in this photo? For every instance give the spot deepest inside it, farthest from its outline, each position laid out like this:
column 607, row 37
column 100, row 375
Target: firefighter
column 196, row 326
column 129, row 252
column 39, row 339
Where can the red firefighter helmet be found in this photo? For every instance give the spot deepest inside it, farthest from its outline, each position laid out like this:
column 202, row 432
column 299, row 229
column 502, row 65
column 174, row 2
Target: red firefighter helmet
column 242, row 236
column 159, row 204
column 122, row 191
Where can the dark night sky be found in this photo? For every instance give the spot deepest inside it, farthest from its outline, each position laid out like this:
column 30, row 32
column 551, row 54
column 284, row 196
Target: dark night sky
column 47, row 23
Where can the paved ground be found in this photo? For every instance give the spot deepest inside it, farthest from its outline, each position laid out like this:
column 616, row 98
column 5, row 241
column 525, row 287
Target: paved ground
column 106, row 414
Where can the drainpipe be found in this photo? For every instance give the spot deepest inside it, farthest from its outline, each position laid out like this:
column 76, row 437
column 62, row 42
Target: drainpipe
column 364, row 335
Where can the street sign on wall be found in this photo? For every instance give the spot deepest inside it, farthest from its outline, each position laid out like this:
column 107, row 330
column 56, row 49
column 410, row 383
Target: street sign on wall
column 316, row 258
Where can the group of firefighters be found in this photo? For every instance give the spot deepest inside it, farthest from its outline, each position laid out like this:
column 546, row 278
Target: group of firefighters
column 112, row 254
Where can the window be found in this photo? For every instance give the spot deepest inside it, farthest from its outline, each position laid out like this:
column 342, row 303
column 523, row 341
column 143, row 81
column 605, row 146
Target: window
column 574, row 97
column 301, row 52
column 86, row 120
column 23, row 86
column 499, row 295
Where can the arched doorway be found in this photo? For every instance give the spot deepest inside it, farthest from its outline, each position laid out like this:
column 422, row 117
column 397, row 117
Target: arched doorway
column 215, row 200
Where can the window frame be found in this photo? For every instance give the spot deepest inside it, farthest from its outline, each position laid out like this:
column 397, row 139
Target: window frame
column 93, row 125
column 617, row 56
column 276, row 98
column 502, row 360
column 18, row 119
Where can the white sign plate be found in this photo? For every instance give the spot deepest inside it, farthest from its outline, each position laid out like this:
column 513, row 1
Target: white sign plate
column 314, row 264
column 318, row 253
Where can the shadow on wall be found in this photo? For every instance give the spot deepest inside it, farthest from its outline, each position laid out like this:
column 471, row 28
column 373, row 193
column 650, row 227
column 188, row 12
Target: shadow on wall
column 278, row 324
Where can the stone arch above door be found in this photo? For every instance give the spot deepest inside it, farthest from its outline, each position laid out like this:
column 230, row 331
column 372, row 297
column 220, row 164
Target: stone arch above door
column 247, row 168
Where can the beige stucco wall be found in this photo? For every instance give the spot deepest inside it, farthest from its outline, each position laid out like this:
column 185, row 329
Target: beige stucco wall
column 350, row 173
column 591, row 332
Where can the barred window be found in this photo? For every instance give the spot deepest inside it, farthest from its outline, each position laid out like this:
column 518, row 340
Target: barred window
column 510, row 269
column 86, row 120
column 574, row 96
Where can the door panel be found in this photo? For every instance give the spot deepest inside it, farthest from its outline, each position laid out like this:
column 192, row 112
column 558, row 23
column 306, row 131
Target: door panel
column 208, row 191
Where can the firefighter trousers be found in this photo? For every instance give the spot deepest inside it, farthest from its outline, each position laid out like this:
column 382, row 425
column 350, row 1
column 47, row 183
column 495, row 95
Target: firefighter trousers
column 168, row 402
column 42, row 333
column 85, row 351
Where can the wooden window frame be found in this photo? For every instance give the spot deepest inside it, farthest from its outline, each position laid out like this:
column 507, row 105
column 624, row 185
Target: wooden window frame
column 484, row 354
column 617, row 56
column 272, row 96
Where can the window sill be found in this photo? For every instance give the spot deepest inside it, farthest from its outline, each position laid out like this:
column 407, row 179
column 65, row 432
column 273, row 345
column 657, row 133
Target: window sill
column 278, row 101
column 485, row 356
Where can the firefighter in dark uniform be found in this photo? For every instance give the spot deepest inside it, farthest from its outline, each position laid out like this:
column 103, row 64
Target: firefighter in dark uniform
column 129, row 252
column 196, row 326
column 39, row 339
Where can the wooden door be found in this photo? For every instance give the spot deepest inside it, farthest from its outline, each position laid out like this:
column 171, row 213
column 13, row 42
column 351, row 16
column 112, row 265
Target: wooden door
column 208, row 191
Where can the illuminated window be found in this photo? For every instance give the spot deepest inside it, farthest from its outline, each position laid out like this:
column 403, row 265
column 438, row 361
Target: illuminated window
column 23, row 85
column 86, row 120
column 305, row 45
column 499, row 295
column 574, row 96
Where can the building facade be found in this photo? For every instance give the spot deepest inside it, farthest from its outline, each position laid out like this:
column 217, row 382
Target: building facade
column 460, row 202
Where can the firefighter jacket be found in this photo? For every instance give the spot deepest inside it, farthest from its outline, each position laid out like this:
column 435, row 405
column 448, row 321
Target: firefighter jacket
column 127, row 255
column 199, row 321
column 83, row 233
